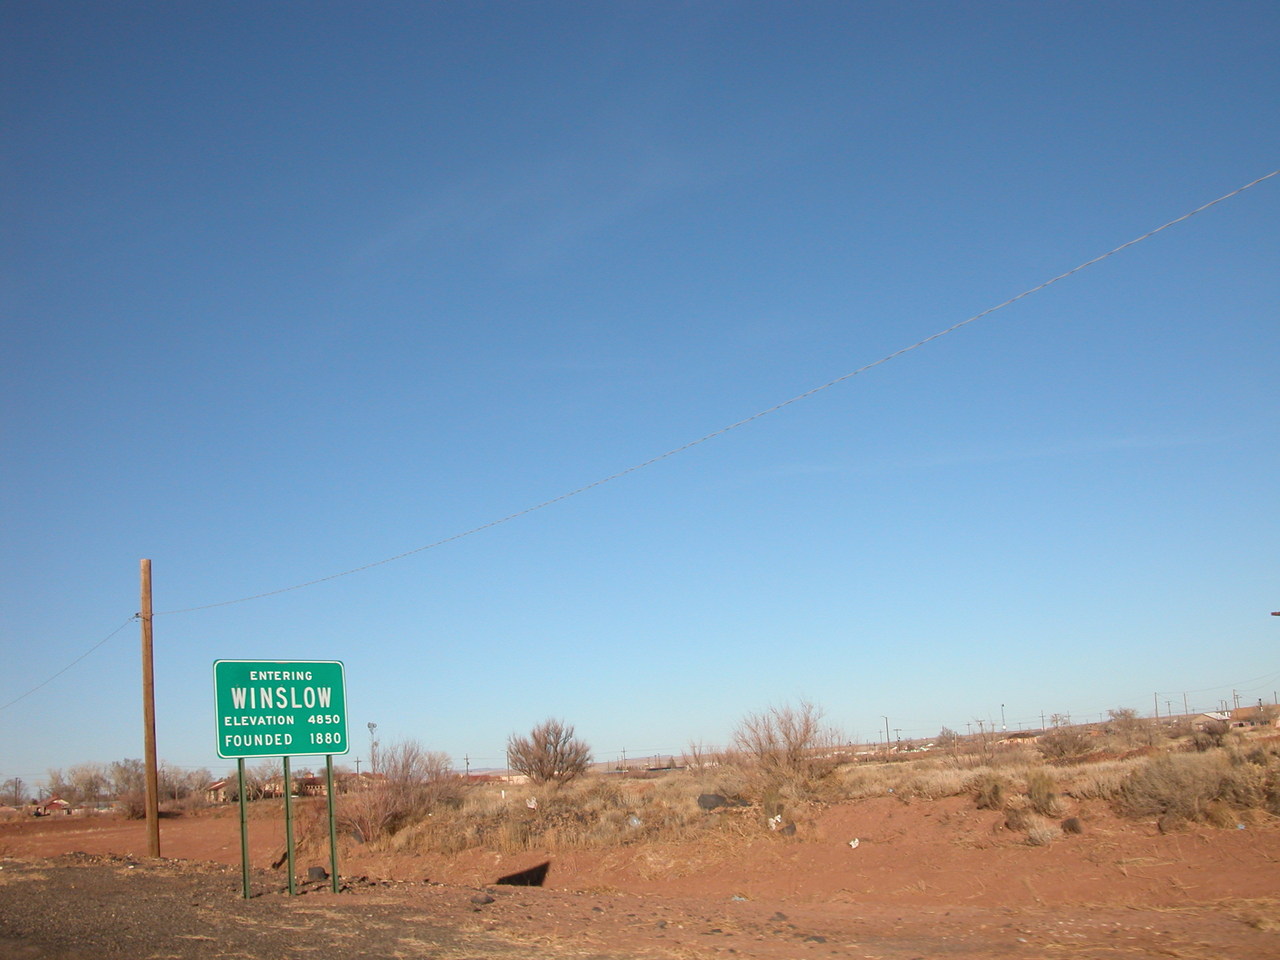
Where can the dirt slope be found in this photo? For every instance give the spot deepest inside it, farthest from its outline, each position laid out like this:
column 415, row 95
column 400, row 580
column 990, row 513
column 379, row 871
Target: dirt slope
column 927, row 879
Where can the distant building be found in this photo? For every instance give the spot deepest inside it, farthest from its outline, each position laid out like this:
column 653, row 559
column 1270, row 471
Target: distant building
column 1261, row 715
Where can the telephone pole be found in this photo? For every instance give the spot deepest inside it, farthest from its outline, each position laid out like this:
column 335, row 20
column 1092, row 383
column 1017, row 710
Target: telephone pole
column 149, row 716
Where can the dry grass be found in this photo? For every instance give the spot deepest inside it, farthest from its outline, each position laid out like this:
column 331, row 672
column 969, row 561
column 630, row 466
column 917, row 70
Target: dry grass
column 1263, row 914
column 1041, row 832
column 1221, row 786
column 1208, row 787
column 1096, row 781
column 1042, row 791
column 592, row 813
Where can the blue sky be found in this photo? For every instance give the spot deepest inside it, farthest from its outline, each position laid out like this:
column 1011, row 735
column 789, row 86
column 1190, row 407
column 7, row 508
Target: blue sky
column 293, row 288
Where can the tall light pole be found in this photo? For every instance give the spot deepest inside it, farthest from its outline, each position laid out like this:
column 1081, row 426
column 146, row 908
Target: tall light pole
column 886, row 733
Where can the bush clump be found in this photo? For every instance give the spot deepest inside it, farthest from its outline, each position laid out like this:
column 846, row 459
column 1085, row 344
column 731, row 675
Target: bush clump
column 1195, row 787
column 1042, row 791
column 789, row 750
column 990, row 791
column 1065, row 744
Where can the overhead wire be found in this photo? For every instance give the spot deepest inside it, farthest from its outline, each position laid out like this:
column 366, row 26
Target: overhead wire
column 45, row 683
column 735, row 425
column 682, row 447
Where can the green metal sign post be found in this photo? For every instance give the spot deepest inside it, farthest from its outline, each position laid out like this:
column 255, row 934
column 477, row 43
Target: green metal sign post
column 282, row 708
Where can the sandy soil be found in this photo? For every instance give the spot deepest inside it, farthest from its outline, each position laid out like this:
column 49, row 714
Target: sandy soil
column 926, row 879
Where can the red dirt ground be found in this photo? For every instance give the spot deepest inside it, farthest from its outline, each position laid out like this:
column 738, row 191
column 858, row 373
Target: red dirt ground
column 930, row 878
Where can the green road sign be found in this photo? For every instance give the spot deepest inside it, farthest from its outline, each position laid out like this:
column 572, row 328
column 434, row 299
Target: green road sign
column 279, row 708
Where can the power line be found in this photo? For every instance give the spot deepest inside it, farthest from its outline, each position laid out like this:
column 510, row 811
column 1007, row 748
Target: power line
column 733, row 426
column 69, row 665
column 675, row 450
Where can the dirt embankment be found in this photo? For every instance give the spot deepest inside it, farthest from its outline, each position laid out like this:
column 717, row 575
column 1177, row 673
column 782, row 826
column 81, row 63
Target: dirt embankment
column 926, row 879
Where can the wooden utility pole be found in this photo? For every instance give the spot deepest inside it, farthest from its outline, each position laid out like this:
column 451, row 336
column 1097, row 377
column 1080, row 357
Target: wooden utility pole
column 149, row 717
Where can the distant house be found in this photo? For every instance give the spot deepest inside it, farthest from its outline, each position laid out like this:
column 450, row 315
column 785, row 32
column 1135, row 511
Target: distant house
column 218, row 792
column 1205, row 719
column 53, row 805
column 1261, row 715
column 310, row 787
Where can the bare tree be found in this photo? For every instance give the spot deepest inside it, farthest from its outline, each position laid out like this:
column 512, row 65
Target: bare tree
column 13, row 792
column 60, row 785
column 129, row 786
column 177, row 784
column 88, row 782
column 550, row 754
column 260, row 780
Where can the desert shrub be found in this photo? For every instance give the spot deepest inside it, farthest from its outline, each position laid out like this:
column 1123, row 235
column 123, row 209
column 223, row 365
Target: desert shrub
column 1191, row 787
column 593, row 812
column 1042, row 832
column 1262, row 754
column 864, row 780
column 1064, row 744
column 930, row 782
column 1019, row 818
column 132, row 805
column 1127, row 728
column 1072, row 825
column 1042, row 792
column 926, row 779
column 1271, row 789
column 415, row 782
column 789, row 748
column 550, row 754
column 1099, row 781
column 1211, row 736
column 989, row 791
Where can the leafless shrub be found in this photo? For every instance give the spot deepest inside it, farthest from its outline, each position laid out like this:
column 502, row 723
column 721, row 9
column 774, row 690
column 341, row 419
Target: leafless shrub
column 550, row 754
column 415, row 782
column 1064, row 744
column 697, row 756
column 790, row 748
